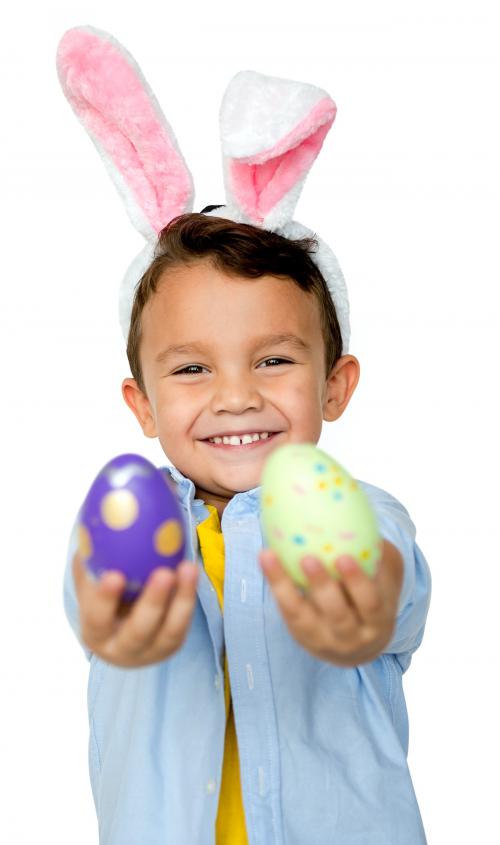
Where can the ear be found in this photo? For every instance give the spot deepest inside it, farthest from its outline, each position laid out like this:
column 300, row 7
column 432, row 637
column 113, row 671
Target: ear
column 272, row 129
column 110, row 96
column 339, row 387
column 140, row 406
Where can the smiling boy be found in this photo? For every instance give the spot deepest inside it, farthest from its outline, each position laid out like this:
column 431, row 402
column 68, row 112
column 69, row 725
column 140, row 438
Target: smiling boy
column 226, row 702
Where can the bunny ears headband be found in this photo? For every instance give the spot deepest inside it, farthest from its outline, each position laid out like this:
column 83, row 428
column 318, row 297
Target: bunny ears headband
column 272, row 129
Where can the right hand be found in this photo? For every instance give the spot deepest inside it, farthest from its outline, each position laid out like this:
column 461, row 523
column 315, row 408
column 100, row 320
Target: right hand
column 141, row 632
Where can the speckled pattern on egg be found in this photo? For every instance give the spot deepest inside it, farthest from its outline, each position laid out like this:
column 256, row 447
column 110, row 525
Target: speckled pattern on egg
column 311, row 505
column 131, row 521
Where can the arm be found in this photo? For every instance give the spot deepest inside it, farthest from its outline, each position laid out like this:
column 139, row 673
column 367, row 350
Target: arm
column 396, row 526
column 69, row 593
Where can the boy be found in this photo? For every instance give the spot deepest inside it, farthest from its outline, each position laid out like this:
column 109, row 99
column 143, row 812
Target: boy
column 226, row 705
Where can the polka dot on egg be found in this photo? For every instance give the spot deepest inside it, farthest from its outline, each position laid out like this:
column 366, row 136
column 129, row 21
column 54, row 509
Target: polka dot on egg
column 299, row 539
column 320, row 467
column 365, row 554
column 316, row 529
column 268, row 500
column 337, row 495
column 327, row 547
column 84, row 542
column 339, row 480
column 119, row 509
column 322, row 485
column 167, row 538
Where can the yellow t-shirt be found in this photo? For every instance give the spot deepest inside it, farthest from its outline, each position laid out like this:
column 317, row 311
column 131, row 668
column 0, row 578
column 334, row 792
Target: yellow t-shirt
column 230, row 825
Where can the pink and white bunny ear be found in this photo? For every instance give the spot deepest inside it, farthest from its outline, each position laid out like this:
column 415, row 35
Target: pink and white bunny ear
column 110, row 96
column 272, row 129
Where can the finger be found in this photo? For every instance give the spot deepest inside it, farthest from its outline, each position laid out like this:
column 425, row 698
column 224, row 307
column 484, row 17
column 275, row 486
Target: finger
column 98, row 601
column 329, row 597
column 111, row 582
column 178, row 617
column 364, row 591
column 147, row 613
column 299, row 613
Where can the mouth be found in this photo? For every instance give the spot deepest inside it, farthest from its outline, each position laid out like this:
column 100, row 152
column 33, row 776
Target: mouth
column 243, row 447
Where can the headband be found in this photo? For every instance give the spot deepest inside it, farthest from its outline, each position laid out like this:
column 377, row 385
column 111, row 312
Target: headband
column 271, row 131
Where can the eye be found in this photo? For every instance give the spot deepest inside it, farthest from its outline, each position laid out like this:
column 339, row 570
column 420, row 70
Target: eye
column 277, row 359
column 189, row 367
column 189, row 370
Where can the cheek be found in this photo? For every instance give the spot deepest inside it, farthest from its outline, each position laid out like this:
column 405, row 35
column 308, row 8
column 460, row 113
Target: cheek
column 176, row 407
column 300, row 392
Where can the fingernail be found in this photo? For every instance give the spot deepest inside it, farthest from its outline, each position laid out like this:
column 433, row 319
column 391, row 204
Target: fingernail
column 346, row 564
column 267, row 562
column 188, row 570
column 161, row 576
column 114, row 580
column 311, row 565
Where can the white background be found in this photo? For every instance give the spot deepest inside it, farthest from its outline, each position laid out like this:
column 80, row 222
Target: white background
column 406, row 191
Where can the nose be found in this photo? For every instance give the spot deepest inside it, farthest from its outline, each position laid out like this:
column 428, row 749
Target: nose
column 235, row 392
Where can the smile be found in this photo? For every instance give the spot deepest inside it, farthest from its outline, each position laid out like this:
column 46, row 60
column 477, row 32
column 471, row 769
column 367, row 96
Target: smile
column 234, row 443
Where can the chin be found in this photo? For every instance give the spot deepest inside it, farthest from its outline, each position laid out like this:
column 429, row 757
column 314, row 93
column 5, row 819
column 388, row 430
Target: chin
column 248, row 482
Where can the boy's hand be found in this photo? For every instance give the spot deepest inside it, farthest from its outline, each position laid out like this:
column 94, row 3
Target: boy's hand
column 346, row 622
column 135, row 633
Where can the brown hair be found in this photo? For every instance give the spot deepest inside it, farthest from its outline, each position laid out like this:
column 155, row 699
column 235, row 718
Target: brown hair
column 237, row 249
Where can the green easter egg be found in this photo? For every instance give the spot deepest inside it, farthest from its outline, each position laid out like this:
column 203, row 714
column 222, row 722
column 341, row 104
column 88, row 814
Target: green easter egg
column 310, row 505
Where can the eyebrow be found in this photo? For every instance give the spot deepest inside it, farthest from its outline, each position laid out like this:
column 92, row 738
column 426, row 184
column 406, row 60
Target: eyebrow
column 261, row 342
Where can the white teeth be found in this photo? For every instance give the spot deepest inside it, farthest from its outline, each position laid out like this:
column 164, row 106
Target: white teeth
column 234, row 440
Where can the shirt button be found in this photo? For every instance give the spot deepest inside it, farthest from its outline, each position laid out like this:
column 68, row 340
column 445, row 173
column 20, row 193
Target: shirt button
column 210, row 787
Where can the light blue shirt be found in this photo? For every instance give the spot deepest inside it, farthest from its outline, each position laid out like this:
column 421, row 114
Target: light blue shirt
column 322, row 749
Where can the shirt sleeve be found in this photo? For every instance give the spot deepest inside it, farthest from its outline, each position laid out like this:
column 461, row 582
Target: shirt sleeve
column 395, row 525
column 69, row 592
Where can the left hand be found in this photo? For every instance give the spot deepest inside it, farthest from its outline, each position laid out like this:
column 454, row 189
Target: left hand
column 347, row 621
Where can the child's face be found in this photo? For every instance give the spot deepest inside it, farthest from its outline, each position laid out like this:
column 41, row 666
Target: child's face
column 234, row 382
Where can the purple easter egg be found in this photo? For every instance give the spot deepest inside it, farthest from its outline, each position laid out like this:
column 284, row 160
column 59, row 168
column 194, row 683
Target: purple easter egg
column 131, row 521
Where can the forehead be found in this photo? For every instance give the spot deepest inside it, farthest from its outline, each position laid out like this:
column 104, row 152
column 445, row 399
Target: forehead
column 201, row 303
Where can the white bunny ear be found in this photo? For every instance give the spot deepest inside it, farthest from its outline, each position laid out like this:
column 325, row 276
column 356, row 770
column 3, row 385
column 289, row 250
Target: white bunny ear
column 110, row 96
column 272, row 129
